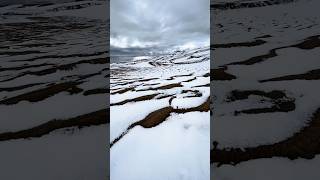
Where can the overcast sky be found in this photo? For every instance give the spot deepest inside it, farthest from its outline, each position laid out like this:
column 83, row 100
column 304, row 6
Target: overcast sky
column 157, row 25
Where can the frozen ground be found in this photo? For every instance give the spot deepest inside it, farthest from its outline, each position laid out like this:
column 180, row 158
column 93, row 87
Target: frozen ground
column 53, row 76
column 160, row 119
column 265, row 89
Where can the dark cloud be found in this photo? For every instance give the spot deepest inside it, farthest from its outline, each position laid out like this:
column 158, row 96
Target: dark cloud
column 159, row 25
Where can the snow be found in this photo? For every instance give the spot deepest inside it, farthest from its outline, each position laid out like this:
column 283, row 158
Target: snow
column 59, row 155
column 184, row 103
column 181, row 153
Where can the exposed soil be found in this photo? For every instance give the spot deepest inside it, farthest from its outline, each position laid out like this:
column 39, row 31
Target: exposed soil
column 137, row 99
column 24, row 67
column 41, row 94
column 256, row 42
column 281, row 102
column 168, row 86
column 257, row 59
column 240, row 95
column 54, row 69
column 10, row 89
column 280, row 106
column 123, row 90
column 150, row 79
column 157, row 117
column 182, row 75
column 309, row 43
column 15, row 53
column 247, row 4
column 189, row 80
column 303, row 144
column 152, row 84
column 195, row 93
column 220, row 75
column 310, row 75
column 96, row 91
column 90, row 119
column 154, row 118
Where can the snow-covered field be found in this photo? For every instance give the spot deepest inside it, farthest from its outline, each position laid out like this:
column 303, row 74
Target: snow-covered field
column 265, row 89
column 159, row 117
column 53, row 89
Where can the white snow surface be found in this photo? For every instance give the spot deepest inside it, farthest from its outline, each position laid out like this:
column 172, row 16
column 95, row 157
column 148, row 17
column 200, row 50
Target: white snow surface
column 175, row 150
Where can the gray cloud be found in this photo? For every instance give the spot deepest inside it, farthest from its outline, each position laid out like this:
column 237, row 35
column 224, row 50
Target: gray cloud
column 158, row 25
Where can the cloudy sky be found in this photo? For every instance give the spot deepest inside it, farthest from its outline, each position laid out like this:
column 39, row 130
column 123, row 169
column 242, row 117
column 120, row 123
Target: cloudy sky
column 158, row 25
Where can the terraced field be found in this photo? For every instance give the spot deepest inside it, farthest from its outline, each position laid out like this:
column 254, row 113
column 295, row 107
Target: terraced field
column 160, row 117
column 266, row 108
column 53, row 74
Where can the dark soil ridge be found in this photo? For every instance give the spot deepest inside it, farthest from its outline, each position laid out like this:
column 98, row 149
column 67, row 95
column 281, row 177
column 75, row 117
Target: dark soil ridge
column 240, row 95
column 145, row 80
column 155, row 64
column 203, row 85
column 54, row 69
column 123, row 83
column 91, row 119
column 183, row 75
column 157, row 117
column 257, row 59
column 168, row 86
column 96, row 91
column 164, row 87
column 219, row 74
column 40, row 44
column 303, row 144
column 281, row 102
column 152, row 84
column 17, row 53
column 162, row 96
column 41, row 94
column 307, row 44
column 25, row 67
column 240, row 5
column 16, row 88
column 256, row 42
column 279, row 106
column 121, row 91
column 86, row 76
column 310, row 75
column 193, row 62
column 189, row 80
column 61, row 56
column 196, row 93
column 206, row 75
column 137, row 99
